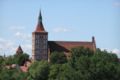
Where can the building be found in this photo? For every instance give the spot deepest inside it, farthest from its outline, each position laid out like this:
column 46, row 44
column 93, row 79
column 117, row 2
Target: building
column 40, row 42
column 41, row 47
column 19, row 50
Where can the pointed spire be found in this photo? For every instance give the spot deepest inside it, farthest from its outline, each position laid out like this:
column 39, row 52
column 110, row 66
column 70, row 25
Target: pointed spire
column 94, row 43
column 93, row 39
column 40, row 27
column 19, row 50
column 40, row 17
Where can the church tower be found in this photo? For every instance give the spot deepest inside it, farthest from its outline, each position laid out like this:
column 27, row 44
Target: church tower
column 40, row 41
column 19, row 50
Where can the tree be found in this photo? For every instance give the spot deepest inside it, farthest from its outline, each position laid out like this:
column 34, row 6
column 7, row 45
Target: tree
column 67, row 73
column 79, row 51
column 105, row 56
column 58, row 57
column 82, row 65
column 39, row 70
column 54, row 71
column 9, row 60
column 101, row 65
column 12, row 74
column 21, row 58
column 1, row 59
column 1, row 63
column 76, row 53
column 62, row 72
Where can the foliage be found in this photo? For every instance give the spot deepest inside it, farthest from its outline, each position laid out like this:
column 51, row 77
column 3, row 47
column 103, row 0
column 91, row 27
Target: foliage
column 76, row 53
column 1, row 63
column 79, row 51
column 16, row 59
column 61, row 72
column 66, row 72
column 54, row 71
column 58, row 58
column 21, row 58
column 1, row 59
column 9, row 60
column 39, row 70
column 83, row 64
column 12, row 74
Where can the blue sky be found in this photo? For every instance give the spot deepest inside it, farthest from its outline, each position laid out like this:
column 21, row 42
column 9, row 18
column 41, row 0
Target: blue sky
column 70, row 20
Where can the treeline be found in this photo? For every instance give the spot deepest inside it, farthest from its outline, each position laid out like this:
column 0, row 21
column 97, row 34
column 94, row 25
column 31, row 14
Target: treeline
column 10, row 67
column 83, row 64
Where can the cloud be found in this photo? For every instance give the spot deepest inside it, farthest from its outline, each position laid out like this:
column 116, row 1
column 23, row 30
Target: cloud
column 114, row 51
column 6, row 46
column 26, row 38
column 23, row 36
column 5, row 43
column 27, row 48
column 117, row 52
column 18, row 34
column 116, row 4
column 61, row 29
column 20, row 37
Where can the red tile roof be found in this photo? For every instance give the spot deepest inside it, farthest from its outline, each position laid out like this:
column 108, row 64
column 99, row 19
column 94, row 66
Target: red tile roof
column 40, row 27
column 65, row 46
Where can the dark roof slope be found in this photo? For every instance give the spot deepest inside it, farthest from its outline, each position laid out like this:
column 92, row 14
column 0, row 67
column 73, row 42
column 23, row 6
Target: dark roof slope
column 65, row 46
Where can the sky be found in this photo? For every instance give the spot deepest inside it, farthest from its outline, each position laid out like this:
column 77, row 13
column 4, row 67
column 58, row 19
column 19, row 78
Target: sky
column 69, row 20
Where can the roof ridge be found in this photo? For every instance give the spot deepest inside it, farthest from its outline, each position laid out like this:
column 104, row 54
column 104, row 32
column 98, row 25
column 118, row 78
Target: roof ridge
column 71, row 41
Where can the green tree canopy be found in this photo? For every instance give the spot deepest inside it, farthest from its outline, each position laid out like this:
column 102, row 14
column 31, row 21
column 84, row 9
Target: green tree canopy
column 58, row 58
column 39, row 70
column 21, row 58
column 83, row 64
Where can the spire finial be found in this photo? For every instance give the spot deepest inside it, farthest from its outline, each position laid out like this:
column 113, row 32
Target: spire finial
column 40, row 16
column 93, row 39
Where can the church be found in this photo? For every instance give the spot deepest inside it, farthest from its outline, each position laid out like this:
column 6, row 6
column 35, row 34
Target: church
column 42, row 48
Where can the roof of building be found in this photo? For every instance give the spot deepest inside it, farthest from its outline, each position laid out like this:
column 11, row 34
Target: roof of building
column 66, row 46
column 40, row 27
column 19, row 50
